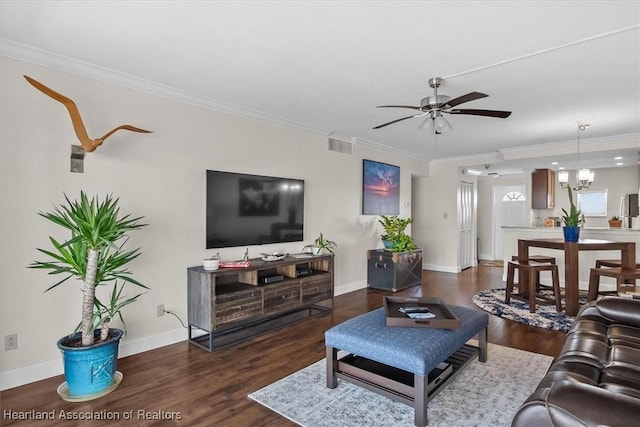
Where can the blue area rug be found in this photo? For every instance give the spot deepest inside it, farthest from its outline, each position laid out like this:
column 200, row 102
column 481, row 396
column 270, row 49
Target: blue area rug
column 545, row 316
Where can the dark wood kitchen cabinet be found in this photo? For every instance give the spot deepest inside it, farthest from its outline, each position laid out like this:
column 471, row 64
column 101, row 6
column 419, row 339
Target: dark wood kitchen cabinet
column 543, row 189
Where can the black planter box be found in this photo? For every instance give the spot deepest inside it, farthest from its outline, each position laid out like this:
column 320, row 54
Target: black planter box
column 394, row 271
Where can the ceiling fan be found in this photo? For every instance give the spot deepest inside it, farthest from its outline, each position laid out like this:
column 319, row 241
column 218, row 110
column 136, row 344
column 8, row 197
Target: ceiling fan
column 432, row 108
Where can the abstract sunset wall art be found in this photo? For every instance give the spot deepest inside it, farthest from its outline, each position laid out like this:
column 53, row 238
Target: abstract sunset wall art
column 380, row 188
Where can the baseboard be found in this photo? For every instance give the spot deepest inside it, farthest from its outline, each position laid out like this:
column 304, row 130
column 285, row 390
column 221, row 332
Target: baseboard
column 442, row 268
column 349, row 287
column 51, row 368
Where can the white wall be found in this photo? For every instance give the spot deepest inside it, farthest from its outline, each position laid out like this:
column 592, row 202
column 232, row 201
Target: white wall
column 436, row 197
column 160, row 176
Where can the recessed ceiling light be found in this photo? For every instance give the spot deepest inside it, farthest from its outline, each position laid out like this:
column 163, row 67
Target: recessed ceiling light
column 619, row 164
column 554, row 163
column 473, row 172
column 617, row 158
column 561, row 168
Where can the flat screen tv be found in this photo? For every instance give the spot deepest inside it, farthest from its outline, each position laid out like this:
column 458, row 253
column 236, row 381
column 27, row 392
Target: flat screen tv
column 245, row 209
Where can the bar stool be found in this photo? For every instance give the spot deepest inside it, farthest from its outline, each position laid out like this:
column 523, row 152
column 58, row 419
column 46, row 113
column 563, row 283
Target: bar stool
column 611, row 263
column 620, row 274
column 541, row 259
column 532, row 270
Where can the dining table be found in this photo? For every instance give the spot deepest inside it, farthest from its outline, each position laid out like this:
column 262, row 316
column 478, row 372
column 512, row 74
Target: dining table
column 571, row 261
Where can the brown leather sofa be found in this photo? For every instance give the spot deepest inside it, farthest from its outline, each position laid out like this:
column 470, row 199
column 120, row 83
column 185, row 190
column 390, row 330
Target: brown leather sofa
column 595, row 381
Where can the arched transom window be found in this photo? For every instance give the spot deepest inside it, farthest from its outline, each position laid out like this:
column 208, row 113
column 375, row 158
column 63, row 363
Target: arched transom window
column 513, row 196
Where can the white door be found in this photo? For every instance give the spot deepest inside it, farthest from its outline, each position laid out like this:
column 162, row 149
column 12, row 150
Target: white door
column 465, row 220
column 510, row 210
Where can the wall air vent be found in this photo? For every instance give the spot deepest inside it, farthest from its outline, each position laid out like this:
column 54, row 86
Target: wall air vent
column 339, row 146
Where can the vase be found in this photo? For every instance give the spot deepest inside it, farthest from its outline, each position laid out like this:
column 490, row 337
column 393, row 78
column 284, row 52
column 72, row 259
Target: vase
column 571, row 234
column 388, row 244
column 89, row 371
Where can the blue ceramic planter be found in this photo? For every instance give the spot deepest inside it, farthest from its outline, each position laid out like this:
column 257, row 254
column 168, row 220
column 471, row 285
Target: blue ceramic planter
column 90, row 370
column 388, row 244
column 571, row 234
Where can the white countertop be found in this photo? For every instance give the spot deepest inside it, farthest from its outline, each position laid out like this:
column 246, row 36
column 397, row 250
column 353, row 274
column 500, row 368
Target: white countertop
column 613, row 230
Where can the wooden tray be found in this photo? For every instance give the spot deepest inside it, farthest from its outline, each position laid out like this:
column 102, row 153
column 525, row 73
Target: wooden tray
column 444, row 319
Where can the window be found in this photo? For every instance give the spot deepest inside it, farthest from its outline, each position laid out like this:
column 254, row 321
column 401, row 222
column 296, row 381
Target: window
column 593, row 202
column 513, row 196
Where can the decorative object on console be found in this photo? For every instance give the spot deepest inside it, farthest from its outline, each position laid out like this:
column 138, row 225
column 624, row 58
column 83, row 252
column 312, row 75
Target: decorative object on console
column 88, row 144
column 276, row 256
column 584, row 177
column 571, row 220
column 321, row 245
column 380, row 188
column 91, row 255
column 212, row 263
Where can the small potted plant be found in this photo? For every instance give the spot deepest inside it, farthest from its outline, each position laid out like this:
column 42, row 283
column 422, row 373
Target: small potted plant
column 571, row 220
column 394, row 237
column 615, row 222
column 322, row 245
column 92, row 256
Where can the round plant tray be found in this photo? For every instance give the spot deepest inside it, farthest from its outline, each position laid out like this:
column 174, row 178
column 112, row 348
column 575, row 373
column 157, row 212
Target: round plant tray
column 63, row 390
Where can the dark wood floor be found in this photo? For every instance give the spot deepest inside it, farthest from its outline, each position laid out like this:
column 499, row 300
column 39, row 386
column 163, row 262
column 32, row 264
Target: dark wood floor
column 210, row 389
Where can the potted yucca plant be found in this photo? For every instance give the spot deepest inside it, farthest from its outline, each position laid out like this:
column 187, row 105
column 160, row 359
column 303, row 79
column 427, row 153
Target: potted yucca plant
column 92, row 255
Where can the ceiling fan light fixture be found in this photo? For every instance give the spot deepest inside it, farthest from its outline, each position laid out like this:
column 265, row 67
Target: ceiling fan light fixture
column 441, row 124
column 427, row 125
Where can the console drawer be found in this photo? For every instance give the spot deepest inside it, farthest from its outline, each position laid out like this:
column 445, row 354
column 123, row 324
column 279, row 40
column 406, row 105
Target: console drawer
column 316, row 289
column 281, row 297
column 236, row 306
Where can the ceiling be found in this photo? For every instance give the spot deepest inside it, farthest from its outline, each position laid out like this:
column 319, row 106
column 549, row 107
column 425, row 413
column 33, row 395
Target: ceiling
column 324, row 66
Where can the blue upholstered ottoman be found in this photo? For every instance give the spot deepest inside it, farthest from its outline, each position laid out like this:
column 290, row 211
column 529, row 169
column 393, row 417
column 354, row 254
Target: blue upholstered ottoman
column 396, row 361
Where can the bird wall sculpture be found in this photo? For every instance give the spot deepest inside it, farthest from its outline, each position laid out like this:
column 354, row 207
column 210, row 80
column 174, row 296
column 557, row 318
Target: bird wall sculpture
column 88, row 144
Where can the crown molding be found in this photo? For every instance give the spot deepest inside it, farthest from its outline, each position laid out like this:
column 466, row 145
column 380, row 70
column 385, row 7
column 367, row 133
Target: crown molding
column 617, row 142
column 48, row 59
column 590, row 145
column 385, row 148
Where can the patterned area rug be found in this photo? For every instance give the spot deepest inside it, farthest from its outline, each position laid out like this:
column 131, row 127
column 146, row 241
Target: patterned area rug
column 545, row 316
column 484, row 394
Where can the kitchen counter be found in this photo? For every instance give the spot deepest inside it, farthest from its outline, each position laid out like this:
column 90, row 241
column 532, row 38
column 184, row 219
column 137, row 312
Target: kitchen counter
column 585, row 229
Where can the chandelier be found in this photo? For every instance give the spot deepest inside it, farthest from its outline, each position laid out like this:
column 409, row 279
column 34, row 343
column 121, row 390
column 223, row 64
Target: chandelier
column 584, row 177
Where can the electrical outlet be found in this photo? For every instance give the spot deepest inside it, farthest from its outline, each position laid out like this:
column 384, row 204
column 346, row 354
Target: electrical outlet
column 160, row 310
column 10, row 342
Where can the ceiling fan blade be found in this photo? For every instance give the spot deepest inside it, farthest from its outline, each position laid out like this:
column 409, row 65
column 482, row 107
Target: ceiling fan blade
column 486, row 113
column 399, row 106
column 471, row 96
column 397, row 120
